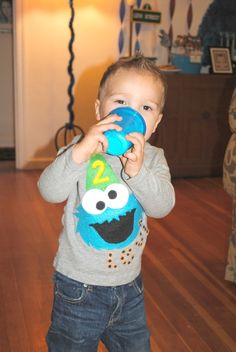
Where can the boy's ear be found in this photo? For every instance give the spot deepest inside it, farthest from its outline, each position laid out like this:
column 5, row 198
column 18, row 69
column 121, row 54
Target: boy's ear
column 97, row 109
column 157, row 122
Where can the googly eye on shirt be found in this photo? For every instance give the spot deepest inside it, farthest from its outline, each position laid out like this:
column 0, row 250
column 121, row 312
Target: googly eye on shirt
column 117, row 195
column 96, row 201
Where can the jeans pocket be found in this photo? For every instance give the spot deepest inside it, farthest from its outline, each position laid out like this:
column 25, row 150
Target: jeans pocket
column 70, row 291
column 138, row 285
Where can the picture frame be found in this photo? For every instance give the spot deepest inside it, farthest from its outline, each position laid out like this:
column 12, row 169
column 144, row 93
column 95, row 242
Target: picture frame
column 220, row 60
column 5, row 12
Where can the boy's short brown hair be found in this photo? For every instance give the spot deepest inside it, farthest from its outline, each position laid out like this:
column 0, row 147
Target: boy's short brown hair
column 139, row 63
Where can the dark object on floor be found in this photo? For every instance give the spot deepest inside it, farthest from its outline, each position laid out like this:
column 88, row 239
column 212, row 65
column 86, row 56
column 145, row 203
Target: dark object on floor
column 7, row 153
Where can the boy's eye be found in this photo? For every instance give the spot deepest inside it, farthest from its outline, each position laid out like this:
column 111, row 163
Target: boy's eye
column 120, row 101
column 147, row 108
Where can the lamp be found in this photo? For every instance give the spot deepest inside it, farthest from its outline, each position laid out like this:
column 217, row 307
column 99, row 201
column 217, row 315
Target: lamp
column 69, row 128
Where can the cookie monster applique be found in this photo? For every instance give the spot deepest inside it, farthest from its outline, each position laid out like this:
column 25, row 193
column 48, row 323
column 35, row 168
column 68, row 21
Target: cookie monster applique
column 109, row 215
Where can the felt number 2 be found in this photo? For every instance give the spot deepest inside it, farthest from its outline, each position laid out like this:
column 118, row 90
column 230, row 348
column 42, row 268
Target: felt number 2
column 100, row 165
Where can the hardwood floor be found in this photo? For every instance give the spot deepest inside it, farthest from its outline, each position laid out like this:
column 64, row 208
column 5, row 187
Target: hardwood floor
column 189, row 305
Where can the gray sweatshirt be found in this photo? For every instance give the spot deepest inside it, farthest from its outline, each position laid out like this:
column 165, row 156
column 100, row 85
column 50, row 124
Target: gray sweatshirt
column 105, row 217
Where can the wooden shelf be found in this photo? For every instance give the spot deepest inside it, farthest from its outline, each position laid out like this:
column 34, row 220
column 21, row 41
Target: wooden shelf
column 194, row 131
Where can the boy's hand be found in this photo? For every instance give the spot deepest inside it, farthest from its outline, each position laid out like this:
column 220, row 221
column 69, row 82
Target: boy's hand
column 132, row 160
column 95, row 141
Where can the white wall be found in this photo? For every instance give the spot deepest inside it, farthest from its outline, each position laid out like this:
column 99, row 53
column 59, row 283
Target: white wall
column 41, row 59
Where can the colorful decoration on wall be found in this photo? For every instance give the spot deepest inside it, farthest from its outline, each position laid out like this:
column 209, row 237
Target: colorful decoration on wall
column 147, row 16
column 124, row 10
column 122, row 13
column 140, row 14
column 171, row 13
column 137, row 28
column 214, row 23
column 189, row 16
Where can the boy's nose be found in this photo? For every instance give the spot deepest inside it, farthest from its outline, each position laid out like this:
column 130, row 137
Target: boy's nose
column 134, row 106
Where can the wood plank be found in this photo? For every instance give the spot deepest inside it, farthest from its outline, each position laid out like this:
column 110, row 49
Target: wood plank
column 194, row 302
column 190, row 307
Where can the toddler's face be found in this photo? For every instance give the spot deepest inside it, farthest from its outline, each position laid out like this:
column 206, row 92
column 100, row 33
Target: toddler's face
column 141, row 91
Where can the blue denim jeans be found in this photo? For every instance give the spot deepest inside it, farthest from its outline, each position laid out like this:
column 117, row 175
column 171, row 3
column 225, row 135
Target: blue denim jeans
column 83, row 315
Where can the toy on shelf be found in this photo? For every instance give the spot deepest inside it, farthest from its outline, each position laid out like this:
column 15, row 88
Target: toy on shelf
column 186, row 53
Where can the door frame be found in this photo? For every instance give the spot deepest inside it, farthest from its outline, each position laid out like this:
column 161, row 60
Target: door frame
column 18, row 68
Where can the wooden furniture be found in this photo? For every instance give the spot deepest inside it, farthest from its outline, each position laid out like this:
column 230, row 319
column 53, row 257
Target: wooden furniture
column 194, row 130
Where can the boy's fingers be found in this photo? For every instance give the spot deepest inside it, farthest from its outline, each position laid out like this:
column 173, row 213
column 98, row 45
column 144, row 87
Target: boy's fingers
column 137, row 139
column 131, row 156
column 108, row 126
column 136, row 136
column 103, row 143
column 109, row 118
column 101, row 148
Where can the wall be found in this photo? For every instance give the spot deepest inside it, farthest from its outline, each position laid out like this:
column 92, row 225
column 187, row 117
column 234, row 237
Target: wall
column 41, row 58
column 41, row 40
column 6, row 89
column 149, row 34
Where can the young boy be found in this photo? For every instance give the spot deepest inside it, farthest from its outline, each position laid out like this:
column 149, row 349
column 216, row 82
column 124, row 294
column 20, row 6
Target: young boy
column 98, row 285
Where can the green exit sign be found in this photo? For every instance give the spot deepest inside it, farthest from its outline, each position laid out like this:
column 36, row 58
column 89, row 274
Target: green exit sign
column 146, row 16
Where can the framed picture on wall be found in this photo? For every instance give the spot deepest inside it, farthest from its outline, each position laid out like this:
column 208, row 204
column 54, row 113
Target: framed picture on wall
column 220, row 60
column 5, row 11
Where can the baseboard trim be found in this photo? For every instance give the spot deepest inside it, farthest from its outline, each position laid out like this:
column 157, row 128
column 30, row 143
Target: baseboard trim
column 36, row 163
column 7, row 153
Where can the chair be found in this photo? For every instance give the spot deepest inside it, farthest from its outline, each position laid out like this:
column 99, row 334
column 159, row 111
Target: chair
column 229, row 183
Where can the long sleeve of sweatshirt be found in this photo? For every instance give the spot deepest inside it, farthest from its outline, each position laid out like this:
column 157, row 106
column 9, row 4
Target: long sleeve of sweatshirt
column 152, row 186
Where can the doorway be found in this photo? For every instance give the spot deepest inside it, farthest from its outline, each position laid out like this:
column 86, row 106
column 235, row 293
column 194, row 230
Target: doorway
column 7, row 139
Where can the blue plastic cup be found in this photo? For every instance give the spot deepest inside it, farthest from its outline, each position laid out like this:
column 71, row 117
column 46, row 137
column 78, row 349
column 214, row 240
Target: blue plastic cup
column 132, row 121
